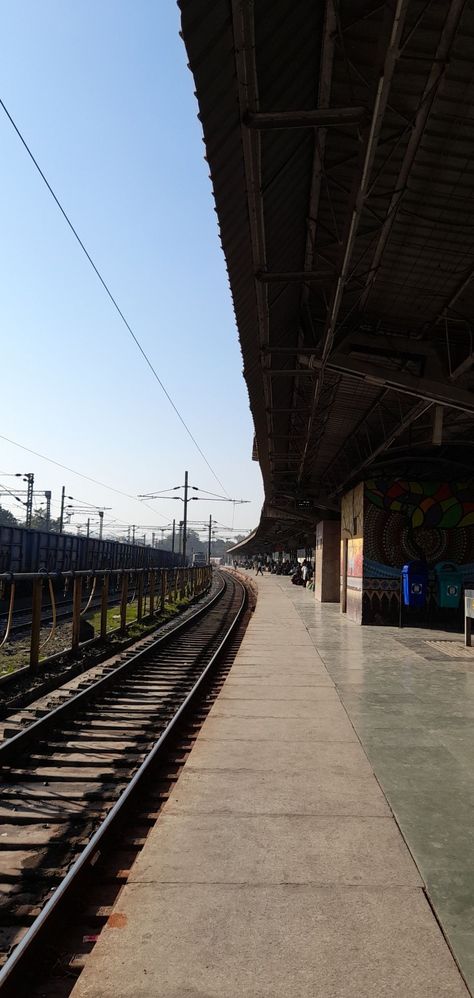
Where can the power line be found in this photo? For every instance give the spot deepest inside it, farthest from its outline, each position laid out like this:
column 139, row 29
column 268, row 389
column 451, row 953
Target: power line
column 109, row 293
column 87, row 478
column 215, row 496
column 4, row 489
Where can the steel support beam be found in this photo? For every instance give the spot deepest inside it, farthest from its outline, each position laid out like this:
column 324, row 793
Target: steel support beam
column 463, row 367
column 410, row 418
column 400, row 381
column 278, row 372
column 438, row 417
column 246, row 76
column 320, row 117
column 437, row 72
column 295, row 277
column 422, row 388
column 373, row 135
column 396, row 345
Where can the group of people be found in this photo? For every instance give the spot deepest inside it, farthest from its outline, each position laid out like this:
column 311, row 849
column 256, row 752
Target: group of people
column 273, row 567
column 304, row 574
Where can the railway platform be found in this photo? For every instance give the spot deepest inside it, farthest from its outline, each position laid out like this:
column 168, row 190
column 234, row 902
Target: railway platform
column 318, row 841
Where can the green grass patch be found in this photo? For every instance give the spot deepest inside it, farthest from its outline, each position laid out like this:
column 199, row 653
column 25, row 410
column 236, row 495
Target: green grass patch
column 113, row 616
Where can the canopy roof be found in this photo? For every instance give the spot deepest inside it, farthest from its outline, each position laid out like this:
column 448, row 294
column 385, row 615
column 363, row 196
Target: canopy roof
column 339, row 140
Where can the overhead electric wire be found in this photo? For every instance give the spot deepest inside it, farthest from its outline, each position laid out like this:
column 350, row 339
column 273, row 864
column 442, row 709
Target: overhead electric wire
column 214, row 494
column 12, row 494
column 109, row 293
column 87, row 478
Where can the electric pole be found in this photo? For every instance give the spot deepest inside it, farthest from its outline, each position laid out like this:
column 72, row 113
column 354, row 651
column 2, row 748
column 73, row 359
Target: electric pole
column 209, row 541
column 48, row 510
column 172, row 537
column 30, row 481
column 61, row 515
column 185, row 520
column 101, row 523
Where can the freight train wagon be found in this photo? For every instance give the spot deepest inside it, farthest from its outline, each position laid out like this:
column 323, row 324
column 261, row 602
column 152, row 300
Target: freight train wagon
column 23, row 550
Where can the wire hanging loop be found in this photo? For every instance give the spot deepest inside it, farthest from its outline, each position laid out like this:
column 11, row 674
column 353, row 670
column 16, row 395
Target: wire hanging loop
column 132, row 598
column 91, row 596
column 10, row 615
column 54, row 615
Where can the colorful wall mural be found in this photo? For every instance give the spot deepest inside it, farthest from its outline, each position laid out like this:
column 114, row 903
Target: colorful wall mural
column 355, row 547
column 443, row 505
column 385, row 524
column 406, row 521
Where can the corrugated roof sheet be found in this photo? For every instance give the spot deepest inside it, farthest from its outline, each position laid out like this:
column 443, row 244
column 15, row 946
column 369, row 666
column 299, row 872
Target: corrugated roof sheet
column 273, row 56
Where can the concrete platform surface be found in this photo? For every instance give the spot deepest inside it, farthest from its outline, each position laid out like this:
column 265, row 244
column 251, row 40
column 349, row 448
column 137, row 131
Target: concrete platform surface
column 276, row 869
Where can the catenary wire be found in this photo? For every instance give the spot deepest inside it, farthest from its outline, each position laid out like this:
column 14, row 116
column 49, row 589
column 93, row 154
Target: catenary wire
column 4, row 489
column 87, row 478
column 109, row 293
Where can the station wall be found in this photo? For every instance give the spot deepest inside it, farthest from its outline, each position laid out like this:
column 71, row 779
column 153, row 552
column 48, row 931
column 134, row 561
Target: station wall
column 388, row 523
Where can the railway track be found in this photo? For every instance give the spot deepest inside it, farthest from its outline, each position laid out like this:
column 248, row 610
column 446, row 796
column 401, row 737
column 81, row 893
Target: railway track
column 69, row 777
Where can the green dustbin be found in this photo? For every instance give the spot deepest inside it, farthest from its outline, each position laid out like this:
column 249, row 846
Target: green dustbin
column 448, row 584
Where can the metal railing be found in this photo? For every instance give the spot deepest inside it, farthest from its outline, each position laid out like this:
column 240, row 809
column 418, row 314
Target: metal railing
column 152, row 589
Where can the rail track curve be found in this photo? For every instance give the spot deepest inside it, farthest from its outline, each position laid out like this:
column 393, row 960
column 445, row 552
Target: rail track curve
column 68, row 776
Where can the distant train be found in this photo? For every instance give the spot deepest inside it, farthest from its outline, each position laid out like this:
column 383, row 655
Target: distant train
column 24, row 550
column 199, row 558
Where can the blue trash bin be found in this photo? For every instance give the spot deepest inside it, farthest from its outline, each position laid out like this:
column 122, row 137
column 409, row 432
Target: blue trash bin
column 415, row 583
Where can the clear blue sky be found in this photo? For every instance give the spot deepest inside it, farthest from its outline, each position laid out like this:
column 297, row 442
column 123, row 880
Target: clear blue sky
column 103, row 95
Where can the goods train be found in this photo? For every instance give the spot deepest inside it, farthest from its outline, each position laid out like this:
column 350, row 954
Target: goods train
column 24, row 550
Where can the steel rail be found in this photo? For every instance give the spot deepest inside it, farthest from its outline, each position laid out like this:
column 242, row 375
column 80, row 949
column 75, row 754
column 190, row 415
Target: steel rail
column 14, row 962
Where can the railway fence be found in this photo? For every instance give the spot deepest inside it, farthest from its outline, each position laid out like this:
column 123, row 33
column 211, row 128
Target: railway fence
column 150, row 588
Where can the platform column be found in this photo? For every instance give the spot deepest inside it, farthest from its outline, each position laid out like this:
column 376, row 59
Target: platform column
column 352, row 552
column 327, row 570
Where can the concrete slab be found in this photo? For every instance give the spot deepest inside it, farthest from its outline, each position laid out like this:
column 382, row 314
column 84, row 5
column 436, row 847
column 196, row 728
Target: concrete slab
column 241, row 689
column 277, row 678
column 338, row 758
column 284, row 658
column 276, row 687
column 217, row 849
column 293, row 729
column 270, row 942
column 283, row 668
column 309, row 709
column 248, row 793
